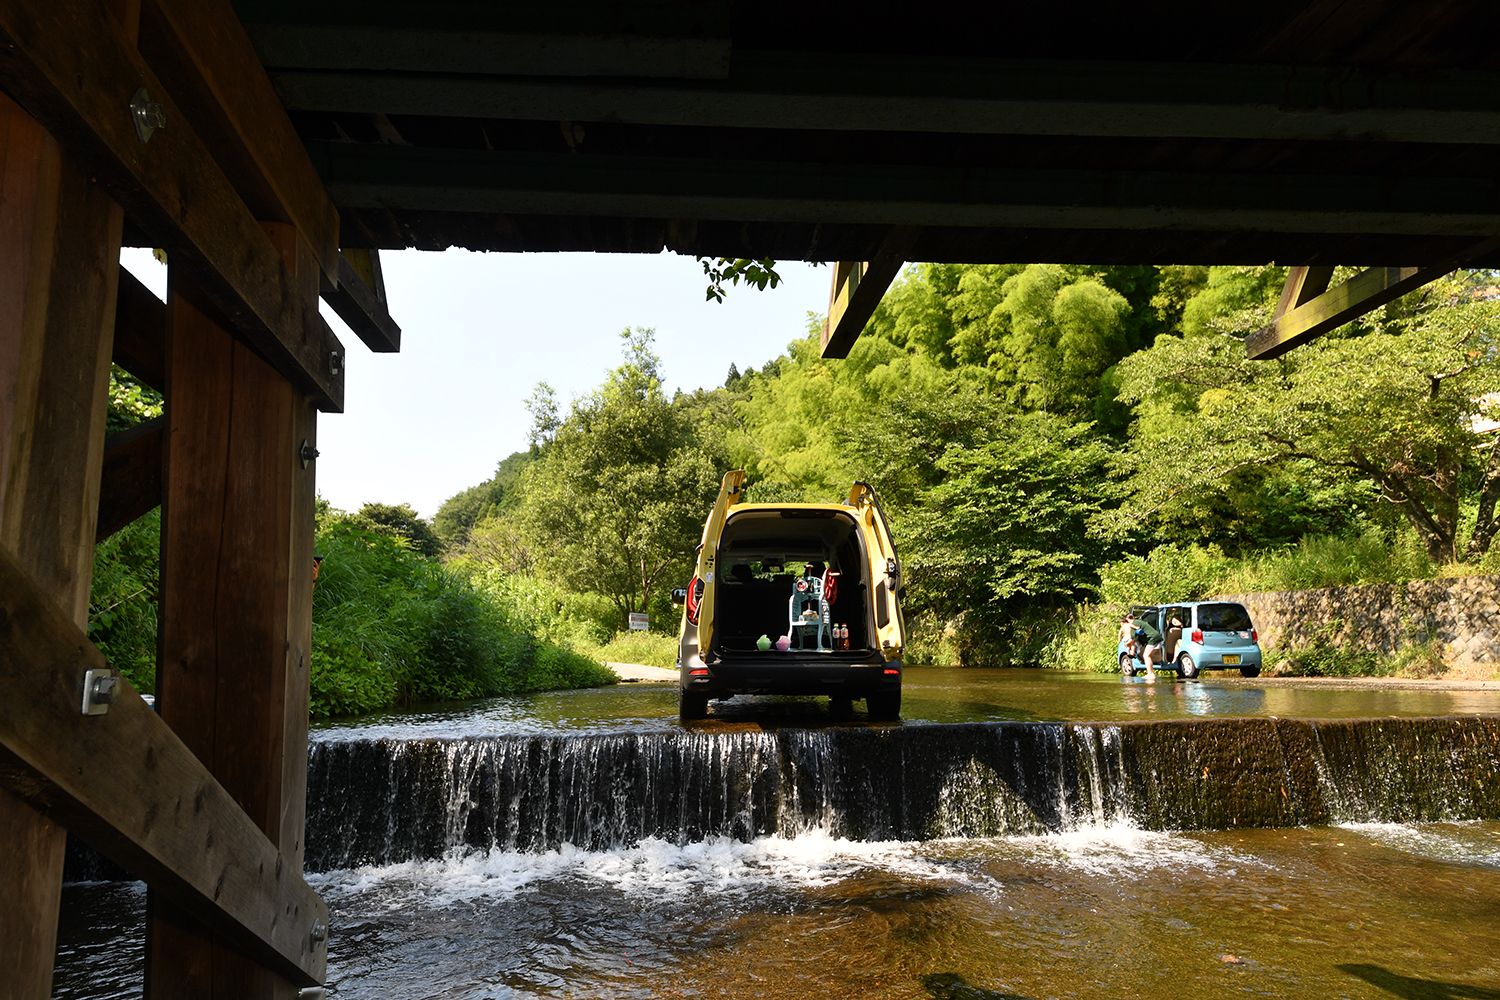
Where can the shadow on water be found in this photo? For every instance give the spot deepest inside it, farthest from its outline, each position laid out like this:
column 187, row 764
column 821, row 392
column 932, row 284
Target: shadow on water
column 1412, row 988
column 952, row 986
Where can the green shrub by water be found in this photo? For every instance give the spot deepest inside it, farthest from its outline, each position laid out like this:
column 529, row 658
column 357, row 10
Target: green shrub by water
column 391, row 626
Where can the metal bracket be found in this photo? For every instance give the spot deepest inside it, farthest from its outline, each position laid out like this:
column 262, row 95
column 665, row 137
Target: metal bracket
column 307, row 453
column 147, row 114
column 100, row 690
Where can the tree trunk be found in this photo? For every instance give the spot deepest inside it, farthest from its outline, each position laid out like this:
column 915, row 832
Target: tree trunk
column 1484, row 521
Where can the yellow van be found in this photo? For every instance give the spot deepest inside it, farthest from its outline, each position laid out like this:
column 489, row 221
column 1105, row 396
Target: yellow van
column 794, row 598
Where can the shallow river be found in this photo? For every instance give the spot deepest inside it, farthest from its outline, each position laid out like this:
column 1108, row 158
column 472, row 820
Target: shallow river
column 930, row 695
column 1358, row 910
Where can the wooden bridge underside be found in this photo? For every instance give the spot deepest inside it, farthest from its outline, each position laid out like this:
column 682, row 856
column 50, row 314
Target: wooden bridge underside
column 300, row 138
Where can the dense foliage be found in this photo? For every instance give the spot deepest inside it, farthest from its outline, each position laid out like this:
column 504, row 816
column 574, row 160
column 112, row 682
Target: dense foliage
column 1050, row 442
column 1035, row 432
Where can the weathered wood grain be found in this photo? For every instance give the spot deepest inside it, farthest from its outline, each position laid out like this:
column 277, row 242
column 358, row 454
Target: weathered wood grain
column 71, row 68
column 129, row 786
column 59, row 240
column 202, row 54
column 232, row 681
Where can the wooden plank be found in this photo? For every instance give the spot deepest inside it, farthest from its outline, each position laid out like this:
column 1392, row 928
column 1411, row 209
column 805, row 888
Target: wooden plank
column 359, row 300
column 71, row 68
column 59, row 240
column 826, row 192
column 128, row 785
column 235, row 490
column 200, row 51
column 858, row 287
column 1367, row 290
column 132, row 476
column 889, row 92
column 141, row 332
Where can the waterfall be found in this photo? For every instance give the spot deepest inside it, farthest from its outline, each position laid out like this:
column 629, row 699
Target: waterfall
column 381, row 801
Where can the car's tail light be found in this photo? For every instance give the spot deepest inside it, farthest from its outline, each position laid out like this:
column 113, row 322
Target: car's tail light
column 699, row 672
column 1253, row 636
column 694, row 600
column 1198, row 636
column 890, row 671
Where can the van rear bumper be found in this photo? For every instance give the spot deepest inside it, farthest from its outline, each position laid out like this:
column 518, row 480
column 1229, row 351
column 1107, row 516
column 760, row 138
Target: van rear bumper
column 790, row 673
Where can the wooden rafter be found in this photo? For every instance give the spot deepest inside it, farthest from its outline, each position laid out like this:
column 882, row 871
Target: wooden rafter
column 359, row 300
column 858, row 287
column 130, row 486
column 1301, row 317
column 200, row 51
column 127, row 784
column 73, row 70
column 141, row 332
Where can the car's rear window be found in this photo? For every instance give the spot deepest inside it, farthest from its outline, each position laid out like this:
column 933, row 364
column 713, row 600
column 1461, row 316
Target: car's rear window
column 1223, row 618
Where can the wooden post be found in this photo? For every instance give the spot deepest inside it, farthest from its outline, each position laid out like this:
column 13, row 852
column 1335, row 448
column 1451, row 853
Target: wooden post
column 59, row 254
column 236, row 611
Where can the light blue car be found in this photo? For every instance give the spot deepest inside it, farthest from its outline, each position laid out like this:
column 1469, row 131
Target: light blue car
column 1196, row 636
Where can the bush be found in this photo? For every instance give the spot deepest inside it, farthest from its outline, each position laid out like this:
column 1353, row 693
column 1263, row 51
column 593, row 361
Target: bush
column 392, row 627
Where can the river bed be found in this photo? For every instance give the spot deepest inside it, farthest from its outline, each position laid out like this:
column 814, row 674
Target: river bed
column 1098, row 905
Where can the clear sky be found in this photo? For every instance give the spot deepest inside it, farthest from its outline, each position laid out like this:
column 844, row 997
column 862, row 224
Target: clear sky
column 478, row 331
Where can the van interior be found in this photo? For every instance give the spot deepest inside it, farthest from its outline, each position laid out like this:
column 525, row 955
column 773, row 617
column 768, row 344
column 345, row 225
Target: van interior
column 761, row 555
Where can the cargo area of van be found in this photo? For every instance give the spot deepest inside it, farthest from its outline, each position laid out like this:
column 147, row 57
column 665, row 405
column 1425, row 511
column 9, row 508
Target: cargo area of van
column 763, row 554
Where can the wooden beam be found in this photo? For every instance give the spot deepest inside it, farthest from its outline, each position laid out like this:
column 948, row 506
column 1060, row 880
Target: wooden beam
column 359, row 300
column 70, row 66
column 141, row 332
column 899, row 93
column 200, row 51
column 827, row 192
column 129, row 786
column 131, row 483
column 1362, row 293
column 1303, row 284
column 858, row 287
column 59, row 243
column 236, row 604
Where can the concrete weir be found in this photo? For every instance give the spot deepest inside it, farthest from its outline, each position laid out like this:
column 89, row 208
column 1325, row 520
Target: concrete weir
column 382, row 801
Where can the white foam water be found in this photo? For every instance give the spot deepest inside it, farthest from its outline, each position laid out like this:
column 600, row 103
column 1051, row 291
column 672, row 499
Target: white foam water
column 1470, row 843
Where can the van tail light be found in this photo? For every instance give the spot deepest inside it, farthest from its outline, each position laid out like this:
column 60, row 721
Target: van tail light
column 1198, row 636
column 694, row 601
column 1253, row 636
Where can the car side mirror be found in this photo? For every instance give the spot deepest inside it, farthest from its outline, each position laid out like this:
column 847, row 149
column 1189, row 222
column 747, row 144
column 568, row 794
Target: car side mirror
column 679, row 597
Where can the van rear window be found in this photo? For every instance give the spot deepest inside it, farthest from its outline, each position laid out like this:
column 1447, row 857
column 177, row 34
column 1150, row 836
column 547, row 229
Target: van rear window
column 1223, row 618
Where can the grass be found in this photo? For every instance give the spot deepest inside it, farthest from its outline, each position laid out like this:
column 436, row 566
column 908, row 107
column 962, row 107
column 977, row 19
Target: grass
column 649, row 648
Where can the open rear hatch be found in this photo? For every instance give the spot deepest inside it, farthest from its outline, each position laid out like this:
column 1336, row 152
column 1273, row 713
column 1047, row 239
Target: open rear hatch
column 764, row 555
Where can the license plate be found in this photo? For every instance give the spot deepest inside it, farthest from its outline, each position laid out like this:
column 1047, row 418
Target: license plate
column 1231, row 658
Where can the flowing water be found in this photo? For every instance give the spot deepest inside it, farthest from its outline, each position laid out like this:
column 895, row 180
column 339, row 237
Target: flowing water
column 1084, row 839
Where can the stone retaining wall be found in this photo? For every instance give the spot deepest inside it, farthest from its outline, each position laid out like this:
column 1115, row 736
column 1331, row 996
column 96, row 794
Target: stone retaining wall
column 1462, row 613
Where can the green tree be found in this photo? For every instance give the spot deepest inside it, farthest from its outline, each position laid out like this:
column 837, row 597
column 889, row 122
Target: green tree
column 399, row 521
column 1005, row 538
column 617, row 497
column 460, row 513
column 1391, row 401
